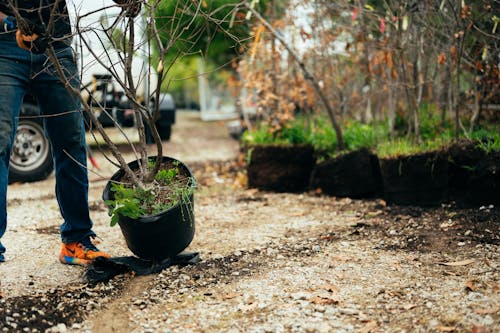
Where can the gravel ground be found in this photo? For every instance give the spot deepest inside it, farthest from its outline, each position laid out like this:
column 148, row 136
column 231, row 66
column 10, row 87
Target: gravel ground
column 271, row 262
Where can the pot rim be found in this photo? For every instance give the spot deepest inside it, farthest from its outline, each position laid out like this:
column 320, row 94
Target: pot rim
column 106, row 194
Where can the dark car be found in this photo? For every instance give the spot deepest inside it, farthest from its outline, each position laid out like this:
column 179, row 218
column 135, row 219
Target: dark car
column 31, row 158
column 165, row 119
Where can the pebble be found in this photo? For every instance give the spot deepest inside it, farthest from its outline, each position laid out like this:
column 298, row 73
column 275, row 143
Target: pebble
column 348, row 311
column 300, row 296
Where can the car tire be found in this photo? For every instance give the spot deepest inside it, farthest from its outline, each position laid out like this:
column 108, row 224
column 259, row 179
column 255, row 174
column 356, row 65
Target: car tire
column 31, row 157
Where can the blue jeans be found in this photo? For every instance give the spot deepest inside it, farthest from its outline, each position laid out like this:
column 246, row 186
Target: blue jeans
column 21, row 72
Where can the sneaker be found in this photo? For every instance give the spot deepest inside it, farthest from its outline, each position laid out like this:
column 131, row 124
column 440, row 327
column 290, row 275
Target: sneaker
column 80, row 253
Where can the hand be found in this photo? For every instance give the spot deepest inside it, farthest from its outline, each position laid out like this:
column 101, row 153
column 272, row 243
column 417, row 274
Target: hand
column 31, row 36
column 132, row 8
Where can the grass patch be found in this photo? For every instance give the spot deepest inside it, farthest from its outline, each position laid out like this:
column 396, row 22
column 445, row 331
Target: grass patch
column 405, row 147
column 293, row 132
column 488, row 138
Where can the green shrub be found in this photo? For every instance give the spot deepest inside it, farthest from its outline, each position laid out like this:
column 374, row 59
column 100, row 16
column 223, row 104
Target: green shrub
column 323, row 137
column 488, row 138
column 165, row 177
column 169, row 189
column 293, row 132
column 358, row 135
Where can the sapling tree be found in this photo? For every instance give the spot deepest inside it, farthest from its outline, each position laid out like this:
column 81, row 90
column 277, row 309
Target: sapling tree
column 307, row 74
column 131, row 35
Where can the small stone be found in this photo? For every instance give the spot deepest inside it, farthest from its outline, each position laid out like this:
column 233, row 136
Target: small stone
column 349, row 311
column 138, row 302
column 320, row 308
column 300, row 296
column 316, row 248
column 461, row 243
column 61, row 328
column 184, row 277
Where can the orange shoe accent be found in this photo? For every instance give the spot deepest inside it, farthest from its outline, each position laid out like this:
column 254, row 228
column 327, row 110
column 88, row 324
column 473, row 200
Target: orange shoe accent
column 79, row 253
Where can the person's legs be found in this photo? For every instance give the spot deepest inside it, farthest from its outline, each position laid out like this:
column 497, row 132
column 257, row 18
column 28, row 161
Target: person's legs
column 64, row 128
column 14, row 74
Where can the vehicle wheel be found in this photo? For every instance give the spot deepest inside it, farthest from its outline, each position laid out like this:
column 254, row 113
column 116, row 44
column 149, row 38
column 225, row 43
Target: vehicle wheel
column 31, row 157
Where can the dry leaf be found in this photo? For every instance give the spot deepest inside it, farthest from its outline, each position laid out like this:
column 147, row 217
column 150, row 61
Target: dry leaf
column 457, row 263
column 471, row 285
column 296, row 214
column 369, row 327
column 441, row 58
column 446, row 328
column 486, row 311
column 249, row 307
column 494, row 287
column 251, row 191
column 409, row 306
column 478, row 329
column 330, row 287
column 341, row 259
column 231, row 295
column 323, row 300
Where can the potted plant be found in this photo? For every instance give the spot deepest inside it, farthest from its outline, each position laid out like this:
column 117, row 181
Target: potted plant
column 157, row 222
column 151, row 196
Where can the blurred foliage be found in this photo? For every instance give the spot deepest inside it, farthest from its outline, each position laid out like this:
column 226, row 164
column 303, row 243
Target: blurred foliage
column 214, row 29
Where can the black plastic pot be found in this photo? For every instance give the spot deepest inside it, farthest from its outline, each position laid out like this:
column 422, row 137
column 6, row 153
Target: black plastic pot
column 160, row 236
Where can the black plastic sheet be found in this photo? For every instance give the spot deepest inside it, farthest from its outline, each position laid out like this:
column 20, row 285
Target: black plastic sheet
column 103, row 269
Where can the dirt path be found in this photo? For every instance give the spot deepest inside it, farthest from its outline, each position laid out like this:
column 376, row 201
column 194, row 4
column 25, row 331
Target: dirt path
column 271, row 262
column 115, row 317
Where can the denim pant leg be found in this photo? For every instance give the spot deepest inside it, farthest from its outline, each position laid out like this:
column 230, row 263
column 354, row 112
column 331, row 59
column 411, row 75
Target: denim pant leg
column 65, row 130
column 14, row 74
